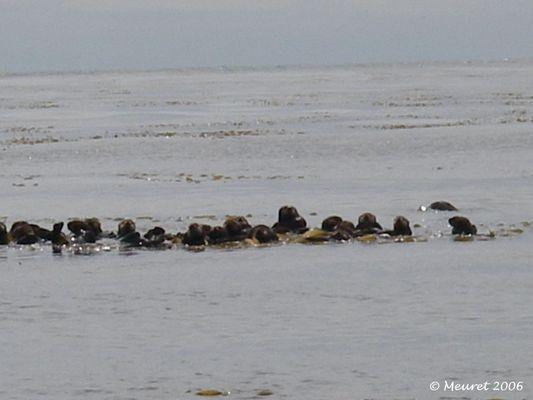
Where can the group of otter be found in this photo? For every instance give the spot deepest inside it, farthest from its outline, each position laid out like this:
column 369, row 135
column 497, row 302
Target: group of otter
column 236, row 229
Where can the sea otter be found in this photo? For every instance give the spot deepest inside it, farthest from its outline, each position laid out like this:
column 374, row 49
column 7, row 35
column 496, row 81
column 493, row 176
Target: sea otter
column 23, row 233
column 237, row 228
column 57, row 236
column 195, row 236
column 331, row 223
column 442, row 206
column 87, row 230
column 462, row 226
column 154, row 233
column 341, row 235
column 401, row 227
column 367, row 224
column 4, row 235
column 289, row 220
column 263, row 234
column 125, row 227
column 42, row 233
column 217, row 235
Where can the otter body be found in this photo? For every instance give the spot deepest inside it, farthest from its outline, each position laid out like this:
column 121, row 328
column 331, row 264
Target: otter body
column 23, row 233
column 367, row 224
column 195, row 236
column 263, row 234
column 289, row 220
column 401, row 227
column 462, row 226
column 88, row 230
column 5, row 238
column 442, row 206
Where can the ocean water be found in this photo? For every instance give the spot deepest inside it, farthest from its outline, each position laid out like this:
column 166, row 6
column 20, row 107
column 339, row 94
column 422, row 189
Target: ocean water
column 346, row 321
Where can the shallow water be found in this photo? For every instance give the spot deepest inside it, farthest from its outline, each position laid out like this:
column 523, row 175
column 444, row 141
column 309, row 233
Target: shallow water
column 307, row 322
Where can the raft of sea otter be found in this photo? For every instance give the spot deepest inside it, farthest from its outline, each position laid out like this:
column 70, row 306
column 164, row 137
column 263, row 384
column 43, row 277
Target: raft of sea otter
column 236, row 230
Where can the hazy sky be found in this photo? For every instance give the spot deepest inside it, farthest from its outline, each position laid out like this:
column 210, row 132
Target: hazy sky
column 44, row 35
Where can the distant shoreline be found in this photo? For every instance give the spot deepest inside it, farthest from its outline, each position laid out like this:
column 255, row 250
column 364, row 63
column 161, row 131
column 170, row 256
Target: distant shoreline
column 265, row 68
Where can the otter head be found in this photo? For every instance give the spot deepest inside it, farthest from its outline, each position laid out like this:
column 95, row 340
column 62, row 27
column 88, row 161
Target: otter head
column 94, row 225
column 367, row 221
column 331, row 223
column 286, row 214
column 347, row 227
column 125, row 227
column 341, row 235
column 58, row 237
column 401, row 226
column 462, row 226
column 236, row 227
column 195, row 236
column 264, row 234
column 218, row 234
column 289, row 220
column 155, row 232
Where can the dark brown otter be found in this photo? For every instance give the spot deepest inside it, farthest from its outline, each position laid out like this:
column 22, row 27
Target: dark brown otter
column 217, row 235
column 5, row 238
column 367, row 224
column 289, row 220
column 94, row 225
column 331, row 223
column 23, row 233
column 195, row 236
column 125, row 227
column 442, row 206
column 341, row 235
column 462, row 226
column 155, row 232
column 263, row 234
column 347, row 226
column 132, row 239
column 42, row 233
column 57, row 236
column 401, row 227
column 344, row 231
column 237, row 228
column 88, row 230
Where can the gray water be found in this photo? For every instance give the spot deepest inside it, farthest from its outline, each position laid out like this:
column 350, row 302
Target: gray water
column 376, row 321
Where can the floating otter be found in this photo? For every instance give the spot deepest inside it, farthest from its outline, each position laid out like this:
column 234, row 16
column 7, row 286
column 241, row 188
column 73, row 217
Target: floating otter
column 58, row 238
column 125, row 227
column 442, row 206
column 462, row 226
column 195, row 236
column 237, row 228
column 23, row 233
column 344, row 231
column 134, row 239
column 367, row 224
column 341, row 235
column 155, row 233
column 4, row 235
column 401, row 227
column 88, row 230
column 42, row 233
column 263, row 234
column 331, row 223
column 217, row 235
column 289, row 220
